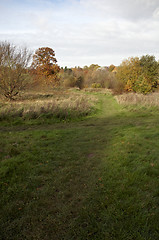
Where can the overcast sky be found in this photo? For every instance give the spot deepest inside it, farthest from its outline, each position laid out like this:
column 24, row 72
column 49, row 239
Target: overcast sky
column 83, row 32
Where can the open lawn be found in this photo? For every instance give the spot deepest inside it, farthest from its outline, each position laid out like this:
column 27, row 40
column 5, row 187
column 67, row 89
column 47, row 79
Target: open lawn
column 97, row 178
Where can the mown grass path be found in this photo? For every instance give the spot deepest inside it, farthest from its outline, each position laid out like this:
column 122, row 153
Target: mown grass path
column 94, row 179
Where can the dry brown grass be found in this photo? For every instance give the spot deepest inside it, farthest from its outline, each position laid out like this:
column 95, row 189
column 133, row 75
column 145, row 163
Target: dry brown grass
column 138, row 99
column 98, row 90
column 65, row 104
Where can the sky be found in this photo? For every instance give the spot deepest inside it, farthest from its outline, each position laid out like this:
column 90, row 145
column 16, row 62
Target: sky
column 83, row 32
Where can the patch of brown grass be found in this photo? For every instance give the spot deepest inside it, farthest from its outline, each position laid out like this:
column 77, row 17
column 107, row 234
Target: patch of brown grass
column 61, row 105
column 99, row 90
column 138, row 99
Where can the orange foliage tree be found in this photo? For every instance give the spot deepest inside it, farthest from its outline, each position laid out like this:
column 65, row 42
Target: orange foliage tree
column 45, row 66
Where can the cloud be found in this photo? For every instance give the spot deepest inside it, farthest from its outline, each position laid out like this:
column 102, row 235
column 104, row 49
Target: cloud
column 132, row 9
column 84, row 31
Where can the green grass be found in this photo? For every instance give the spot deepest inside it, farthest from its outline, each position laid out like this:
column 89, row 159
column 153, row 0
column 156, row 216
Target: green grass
column 94, row 179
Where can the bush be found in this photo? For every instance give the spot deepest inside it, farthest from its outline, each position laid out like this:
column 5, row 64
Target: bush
column 96, row 85
column 69, row 81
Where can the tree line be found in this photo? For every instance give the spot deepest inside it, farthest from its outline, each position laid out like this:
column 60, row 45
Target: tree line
column 20, row 70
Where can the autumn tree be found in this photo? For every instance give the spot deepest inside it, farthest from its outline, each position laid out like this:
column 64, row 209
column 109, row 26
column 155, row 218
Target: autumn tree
column 45, row 65
column 139, row 74
column 14, row 75
column 128, row 73
column 111, row 68
column 94, row 66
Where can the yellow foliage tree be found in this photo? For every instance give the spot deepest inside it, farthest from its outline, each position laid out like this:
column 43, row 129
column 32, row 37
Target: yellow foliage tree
column 129, row 72
column 139, row 75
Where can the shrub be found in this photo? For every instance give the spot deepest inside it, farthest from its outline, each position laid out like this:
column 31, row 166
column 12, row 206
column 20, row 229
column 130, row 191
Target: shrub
column 96, row 85
column 69, row 81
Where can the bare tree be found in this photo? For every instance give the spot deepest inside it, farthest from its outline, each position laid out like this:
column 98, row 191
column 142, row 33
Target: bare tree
column 13, row 69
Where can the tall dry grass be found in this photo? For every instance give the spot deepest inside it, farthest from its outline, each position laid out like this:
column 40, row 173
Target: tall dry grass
column 98, row 90
column 63, row 106
column 138, row 99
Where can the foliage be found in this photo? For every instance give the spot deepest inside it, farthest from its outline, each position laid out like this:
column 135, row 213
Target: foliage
column 139, row 74
column 117, row 86
column 150, row 69
column 67, row 78
column 128, row 72
column 96, row 85
column 111, row 68
column 44, row 56
column 14, row 75
column 71, row 77
column 142, row 85
column 86, row 77
column 44, row 65
column 79, row 82
column 93, row 67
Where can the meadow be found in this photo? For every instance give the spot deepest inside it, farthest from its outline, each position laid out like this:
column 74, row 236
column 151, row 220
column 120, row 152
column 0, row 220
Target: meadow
column 62, row 105
column 89, row 173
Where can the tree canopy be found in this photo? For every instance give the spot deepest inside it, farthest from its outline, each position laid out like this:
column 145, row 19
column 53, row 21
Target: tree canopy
column 45, row 64
column 44, row 56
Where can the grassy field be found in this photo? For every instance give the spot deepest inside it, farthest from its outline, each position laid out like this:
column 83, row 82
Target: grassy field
column 97, row 178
